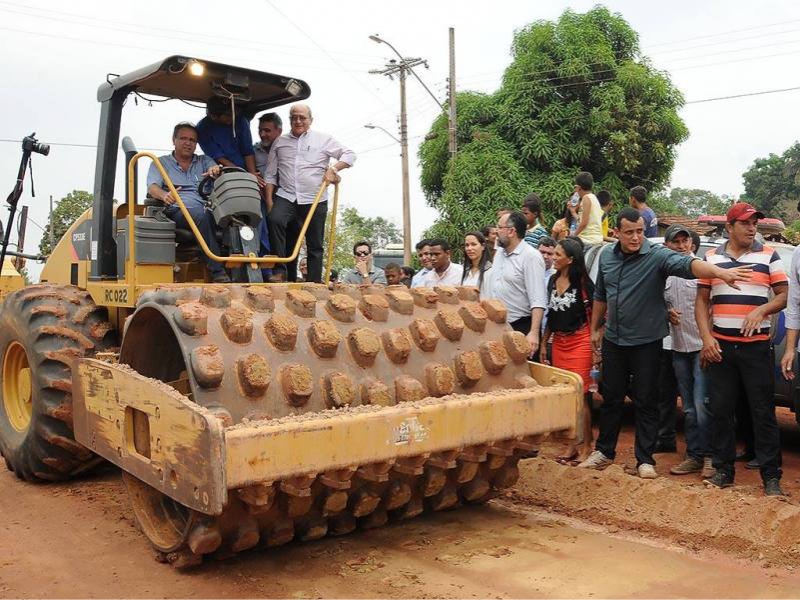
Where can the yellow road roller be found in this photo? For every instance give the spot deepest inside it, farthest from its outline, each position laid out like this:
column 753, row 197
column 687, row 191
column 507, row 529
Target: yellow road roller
column 250, row 414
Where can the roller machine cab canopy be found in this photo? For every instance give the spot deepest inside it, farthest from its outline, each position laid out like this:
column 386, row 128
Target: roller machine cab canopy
column 196, row 80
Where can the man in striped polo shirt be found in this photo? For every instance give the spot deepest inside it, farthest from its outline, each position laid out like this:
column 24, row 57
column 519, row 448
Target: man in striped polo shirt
column 737, row 348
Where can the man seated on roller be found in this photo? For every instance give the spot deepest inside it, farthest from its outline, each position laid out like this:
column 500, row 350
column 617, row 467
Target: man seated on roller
column 186, row 170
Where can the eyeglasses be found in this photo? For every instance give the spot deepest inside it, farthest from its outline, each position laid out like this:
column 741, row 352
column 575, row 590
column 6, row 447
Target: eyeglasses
column 362, row 253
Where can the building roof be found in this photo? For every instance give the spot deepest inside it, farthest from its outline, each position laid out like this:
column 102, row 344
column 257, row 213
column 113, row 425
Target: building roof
column 665, row 221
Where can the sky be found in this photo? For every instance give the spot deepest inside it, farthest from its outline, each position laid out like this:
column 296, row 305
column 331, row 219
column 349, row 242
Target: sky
column 53, row 56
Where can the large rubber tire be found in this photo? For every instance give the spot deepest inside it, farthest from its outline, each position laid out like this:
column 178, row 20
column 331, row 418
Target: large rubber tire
column 43, row 329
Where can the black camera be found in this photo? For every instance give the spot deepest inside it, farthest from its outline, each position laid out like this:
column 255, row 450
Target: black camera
column 31, row 144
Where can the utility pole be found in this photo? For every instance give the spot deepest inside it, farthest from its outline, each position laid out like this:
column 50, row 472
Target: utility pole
column 401, row 69
column 404, row 160
column 451, row 114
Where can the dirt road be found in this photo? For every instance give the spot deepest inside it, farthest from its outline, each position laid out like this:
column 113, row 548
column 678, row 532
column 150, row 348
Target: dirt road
column 78, row 540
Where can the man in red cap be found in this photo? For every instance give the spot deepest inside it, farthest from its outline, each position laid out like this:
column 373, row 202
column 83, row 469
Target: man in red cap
column 736, row 346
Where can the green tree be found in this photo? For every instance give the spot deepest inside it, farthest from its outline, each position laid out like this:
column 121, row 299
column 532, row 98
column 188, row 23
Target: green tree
column 578, row 95
column 352, row 227
column 25, row 275
column 773, row 183
column 696, row 202
column 68, row 209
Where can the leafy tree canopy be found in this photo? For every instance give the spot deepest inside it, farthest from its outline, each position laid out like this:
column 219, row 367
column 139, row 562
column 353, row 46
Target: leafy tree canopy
column 577, row 96
column 351, row 227
column 690, row 202
column 773, row 183
column 68, row 209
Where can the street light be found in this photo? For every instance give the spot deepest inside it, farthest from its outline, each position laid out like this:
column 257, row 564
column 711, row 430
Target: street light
column 403, row 141
column 400, row 68
column 379, row 40
column 371, row 126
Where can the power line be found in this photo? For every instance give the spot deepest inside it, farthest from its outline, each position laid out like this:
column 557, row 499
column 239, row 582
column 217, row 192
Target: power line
column 324, row 51
column 148, row 29
column 722, row 42
column 71, row 145
column 532, row 83
column 704, row 100
column 149, row 49
column 732, row 50
column 493, row 74
column 712, row 35
column 778, row 91
column 529, row 76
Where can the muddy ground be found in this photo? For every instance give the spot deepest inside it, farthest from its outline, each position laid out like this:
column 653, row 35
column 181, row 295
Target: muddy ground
column 560, row 533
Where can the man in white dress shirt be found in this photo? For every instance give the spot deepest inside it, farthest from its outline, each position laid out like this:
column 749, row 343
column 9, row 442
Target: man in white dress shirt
column 518, row 278
column 297, row 164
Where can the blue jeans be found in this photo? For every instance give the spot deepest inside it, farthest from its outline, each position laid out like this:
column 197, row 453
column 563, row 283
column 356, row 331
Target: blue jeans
column 697, row 416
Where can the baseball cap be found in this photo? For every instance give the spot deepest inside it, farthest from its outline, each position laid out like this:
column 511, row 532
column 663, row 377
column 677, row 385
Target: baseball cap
column 741, row 211
column 674, row 230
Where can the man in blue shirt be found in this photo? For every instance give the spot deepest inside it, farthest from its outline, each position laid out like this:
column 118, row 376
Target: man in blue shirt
column 186, row 170
column 228, row 144
column 638, row 201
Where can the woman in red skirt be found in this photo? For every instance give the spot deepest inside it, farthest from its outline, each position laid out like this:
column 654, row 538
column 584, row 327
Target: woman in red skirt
column 570, row 293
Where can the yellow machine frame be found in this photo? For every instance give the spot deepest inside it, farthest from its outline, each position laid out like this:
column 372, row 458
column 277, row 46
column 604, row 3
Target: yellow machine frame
column 139, row 278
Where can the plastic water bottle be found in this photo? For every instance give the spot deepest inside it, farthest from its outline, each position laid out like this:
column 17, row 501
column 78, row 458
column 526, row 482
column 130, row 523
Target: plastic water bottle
column 595, row 375
column 573, row 227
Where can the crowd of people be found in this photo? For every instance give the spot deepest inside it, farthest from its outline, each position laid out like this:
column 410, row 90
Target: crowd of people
column 655, row 323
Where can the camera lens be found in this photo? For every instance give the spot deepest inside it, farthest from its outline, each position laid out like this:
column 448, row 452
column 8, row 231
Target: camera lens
column 41, row 148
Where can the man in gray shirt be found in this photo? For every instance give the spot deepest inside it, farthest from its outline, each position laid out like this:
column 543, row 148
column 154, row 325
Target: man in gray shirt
column 270, row 128
column 680, row 296
column 365, row 271
column 629, row 292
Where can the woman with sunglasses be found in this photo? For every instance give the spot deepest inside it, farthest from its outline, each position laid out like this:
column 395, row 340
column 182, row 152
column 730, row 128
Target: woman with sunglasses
column 476, row 261
column 570, row 293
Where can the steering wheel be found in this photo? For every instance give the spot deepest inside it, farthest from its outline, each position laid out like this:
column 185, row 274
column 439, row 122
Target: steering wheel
column 202, row 187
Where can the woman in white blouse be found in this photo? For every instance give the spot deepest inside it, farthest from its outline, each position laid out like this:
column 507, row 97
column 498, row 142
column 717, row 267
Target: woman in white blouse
column 476, row 261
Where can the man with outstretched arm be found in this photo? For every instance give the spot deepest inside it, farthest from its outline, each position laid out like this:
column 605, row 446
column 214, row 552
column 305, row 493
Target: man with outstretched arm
column 629, row 293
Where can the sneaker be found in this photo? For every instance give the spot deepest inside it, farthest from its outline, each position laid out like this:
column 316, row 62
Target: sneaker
column 597, row 460
column 752, row 465
column 708, row 468
column 719, row 479
column 689, row 465
column 772, row 487
column 647, row 471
